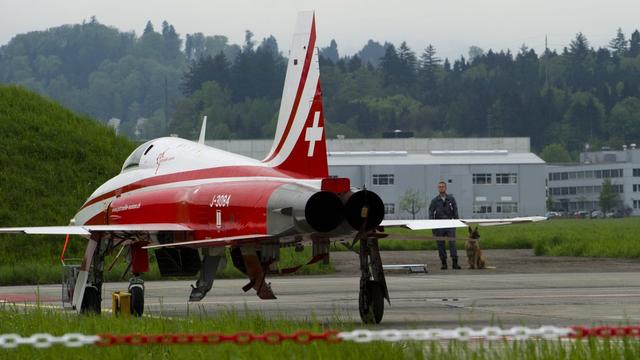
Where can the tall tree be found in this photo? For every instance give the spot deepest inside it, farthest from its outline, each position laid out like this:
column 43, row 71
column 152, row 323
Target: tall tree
column 634, row 44
column 331, row 52
column 427, row 71
column 172, row 42
column 390, row 66
column 373, row 52
column 578, row 53
column 408, row 66
column 618, row 44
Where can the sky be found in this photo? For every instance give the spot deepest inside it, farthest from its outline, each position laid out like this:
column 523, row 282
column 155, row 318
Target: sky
column 451, row 26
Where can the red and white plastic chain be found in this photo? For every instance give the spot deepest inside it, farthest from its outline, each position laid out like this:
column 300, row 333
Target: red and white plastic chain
column 8, row 341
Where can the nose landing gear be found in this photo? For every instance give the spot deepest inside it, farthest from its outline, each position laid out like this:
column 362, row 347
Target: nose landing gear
column 373, row 286
column 136, row 289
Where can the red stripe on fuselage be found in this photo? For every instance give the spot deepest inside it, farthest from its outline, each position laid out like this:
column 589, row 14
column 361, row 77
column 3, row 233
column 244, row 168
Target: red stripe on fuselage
column 210, row 173
column 301, row 85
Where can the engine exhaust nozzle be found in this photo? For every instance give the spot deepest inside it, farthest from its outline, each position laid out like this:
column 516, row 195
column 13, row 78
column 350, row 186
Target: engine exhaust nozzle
column 324, row 211
column 364, row 205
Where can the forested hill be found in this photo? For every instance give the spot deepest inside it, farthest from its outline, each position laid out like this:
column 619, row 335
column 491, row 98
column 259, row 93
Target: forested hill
column 160, row 83
column 51, row 159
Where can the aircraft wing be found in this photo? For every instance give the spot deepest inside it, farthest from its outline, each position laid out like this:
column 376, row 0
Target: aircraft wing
column 456, row 223
column 493, row 222
column 86, row 230
column 424, row 224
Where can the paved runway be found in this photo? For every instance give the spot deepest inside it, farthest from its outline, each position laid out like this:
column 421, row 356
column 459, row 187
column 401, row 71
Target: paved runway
column 417, row 300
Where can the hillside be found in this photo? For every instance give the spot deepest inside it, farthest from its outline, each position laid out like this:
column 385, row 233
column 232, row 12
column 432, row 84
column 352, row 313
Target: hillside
column 51, row 160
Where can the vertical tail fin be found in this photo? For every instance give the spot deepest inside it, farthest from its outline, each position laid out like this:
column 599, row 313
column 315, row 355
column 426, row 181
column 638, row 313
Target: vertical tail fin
column 299, row 145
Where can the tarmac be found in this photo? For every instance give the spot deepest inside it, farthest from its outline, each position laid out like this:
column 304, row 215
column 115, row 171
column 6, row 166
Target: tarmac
column 466, row 298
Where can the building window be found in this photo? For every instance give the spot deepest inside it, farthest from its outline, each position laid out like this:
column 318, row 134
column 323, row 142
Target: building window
column 507, row 178
column 481, row 208
column 389, row 209
column 636, row 172
column 383, row 179
column 481, row 179
column 636, row 187
column 636, row 204
column 507, row 207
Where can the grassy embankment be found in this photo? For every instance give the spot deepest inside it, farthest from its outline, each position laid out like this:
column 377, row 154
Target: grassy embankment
column 17, row 320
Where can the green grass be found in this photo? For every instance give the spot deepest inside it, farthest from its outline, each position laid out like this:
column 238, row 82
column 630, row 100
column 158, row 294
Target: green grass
column 15, row 319
column 555, row 237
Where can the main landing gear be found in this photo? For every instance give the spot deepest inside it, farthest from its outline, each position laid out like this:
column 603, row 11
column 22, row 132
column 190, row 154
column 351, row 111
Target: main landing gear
column 373, row 286
column 92, row 271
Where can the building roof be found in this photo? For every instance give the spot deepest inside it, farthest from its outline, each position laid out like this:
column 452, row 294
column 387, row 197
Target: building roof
column 258, row 149
column 471, row 157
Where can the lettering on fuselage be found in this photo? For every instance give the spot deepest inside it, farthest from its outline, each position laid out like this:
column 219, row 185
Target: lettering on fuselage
column 220, row 200
column 126, row 207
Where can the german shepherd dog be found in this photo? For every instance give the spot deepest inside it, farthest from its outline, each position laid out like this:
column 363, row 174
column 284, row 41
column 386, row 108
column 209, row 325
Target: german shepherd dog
column 474, row 254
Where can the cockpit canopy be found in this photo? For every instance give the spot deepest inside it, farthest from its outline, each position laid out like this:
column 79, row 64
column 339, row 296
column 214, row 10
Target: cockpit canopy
column 133, row 161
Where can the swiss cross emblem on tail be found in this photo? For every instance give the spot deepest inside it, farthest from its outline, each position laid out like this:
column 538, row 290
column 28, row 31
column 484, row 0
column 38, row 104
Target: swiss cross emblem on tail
column 314, row 133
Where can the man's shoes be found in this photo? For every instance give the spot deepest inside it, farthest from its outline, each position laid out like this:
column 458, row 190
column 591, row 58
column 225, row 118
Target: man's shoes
column 455, row 265
column 444, row 265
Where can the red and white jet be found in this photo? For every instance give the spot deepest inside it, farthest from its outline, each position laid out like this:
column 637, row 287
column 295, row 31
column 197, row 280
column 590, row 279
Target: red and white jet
column 189, row 202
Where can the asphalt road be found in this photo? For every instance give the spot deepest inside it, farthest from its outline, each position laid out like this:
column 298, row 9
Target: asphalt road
column 417, row 300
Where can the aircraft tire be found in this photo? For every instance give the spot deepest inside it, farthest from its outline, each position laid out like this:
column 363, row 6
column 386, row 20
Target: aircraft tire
column 371, row 309
column 91, row 301
column 137, row 300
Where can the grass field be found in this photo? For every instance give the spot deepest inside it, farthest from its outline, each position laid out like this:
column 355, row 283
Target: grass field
column 555, row 237
column 26, row 323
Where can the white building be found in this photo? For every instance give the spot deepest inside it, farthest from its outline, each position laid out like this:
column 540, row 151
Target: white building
column 576, row 187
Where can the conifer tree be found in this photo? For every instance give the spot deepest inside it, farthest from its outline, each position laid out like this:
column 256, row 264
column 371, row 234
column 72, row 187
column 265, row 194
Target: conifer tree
column 618, row 44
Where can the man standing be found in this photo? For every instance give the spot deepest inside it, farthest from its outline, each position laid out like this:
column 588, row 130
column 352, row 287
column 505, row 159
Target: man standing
column 444, row 206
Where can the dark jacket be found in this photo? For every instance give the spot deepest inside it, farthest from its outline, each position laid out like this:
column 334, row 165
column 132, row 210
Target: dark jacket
column 447, row 209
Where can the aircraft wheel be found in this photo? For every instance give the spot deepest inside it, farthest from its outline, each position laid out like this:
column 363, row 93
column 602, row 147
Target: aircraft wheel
column 91, row 301
column 371, row 303
column 137, row 299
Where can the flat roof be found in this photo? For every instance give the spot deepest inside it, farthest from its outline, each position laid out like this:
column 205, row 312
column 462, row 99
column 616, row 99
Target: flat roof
column 461, row 158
